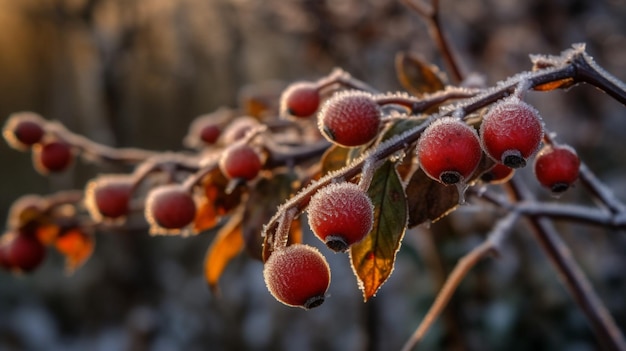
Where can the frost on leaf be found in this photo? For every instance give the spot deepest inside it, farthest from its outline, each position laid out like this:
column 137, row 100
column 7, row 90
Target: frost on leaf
column 373, row 258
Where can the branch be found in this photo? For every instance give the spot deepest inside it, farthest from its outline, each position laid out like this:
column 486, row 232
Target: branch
column 572, row 213
column 92, row 150
column 431, row 14
column 465, row 264
column 602, row 323
column 563, row 67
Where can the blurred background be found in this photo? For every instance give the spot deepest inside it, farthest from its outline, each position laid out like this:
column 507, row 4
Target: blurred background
column 136, row 72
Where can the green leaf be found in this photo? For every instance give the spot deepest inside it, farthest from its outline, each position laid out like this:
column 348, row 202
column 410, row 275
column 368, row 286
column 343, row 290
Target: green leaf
column 373, row 258
column 429, row 200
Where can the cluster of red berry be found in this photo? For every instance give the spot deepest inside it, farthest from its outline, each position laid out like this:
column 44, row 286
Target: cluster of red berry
column 26, row 131
column 449, row 151
column 169, row 208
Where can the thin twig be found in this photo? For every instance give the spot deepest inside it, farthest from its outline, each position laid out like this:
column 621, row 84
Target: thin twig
column 432, row 16
column 578, row 285
column 92, row 150
column 558, row 211
column 599, row 190
column 465, row 264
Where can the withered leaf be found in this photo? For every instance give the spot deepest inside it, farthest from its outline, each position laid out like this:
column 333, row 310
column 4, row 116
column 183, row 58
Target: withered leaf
column 416, row 75
column 429, row 200
column 225, row 246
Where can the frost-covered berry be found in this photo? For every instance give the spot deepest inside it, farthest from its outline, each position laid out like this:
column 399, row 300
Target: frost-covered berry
column 23, row 252
column 300, row 99
column 449, row 150
column 109, row 196
column 511, row 132
column 350, row 118
column 24, row 129
column 297, row 275
column 340, row 214
column 53, row 156
column 170, row 207
column 210, row 133
column 557, row 167
column 240, row 161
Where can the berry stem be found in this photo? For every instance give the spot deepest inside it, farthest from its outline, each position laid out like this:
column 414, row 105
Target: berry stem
column 197, row 177
column 98, row 151
column 418, row 105
column 282, row 231
column 343, row 79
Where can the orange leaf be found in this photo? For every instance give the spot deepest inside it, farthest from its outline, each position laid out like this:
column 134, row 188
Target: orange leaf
column 559, row 84
column 206, row 217
column 227, row 244
column 77, row 246
column 47, row 233
column 215, row 184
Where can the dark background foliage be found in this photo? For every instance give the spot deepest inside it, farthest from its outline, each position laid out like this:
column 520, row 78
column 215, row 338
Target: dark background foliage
column 135, row 73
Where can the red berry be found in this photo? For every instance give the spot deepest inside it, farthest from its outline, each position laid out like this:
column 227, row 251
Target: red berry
column 170, row 207
column 498, row 174
column 556, row 167
column 350, row 118
column 210, row 133
column 240, row 161
column 449, row 150
column 297, row 275
column 511, row 132
column 54, row 156
column 341, row 214
column 24, row 129
column 300, row 99
column 109, row 196
column 24, row 252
